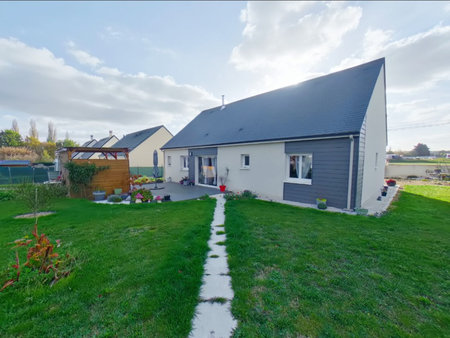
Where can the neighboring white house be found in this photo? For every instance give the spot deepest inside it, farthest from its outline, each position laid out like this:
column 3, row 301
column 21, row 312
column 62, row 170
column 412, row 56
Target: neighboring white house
column 322, row 138
column 143, row 143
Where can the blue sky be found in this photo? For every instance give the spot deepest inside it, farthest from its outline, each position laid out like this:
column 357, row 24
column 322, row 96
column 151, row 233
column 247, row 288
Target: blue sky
column 91, row 67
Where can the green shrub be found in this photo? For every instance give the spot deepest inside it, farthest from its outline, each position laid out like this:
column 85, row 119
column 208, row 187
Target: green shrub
column 147, row 195
column 245, row 195
column 6, row 195
column 114, row 198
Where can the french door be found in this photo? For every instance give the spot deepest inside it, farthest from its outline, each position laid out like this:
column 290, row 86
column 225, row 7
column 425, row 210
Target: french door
column 207, row 170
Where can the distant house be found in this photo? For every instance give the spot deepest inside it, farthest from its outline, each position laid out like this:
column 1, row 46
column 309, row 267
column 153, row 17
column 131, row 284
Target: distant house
column 322, row 138
column 142, row 144
column 90, row 144
column 106, row 142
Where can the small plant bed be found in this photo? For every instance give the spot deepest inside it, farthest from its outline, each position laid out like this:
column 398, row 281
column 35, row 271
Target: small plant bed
column 303, row 272
column 138, row 270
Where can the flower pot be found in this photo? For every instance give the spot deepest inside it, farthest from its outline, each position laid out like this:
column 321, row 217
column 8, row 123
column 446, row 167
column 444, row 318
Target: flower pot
column 99, row 195
column 383, row 193
column 222, row 188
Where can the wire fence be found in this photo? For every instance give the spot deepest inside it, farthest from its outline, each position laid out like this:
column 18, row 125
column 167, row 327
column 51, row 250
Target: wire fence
column 17, row 175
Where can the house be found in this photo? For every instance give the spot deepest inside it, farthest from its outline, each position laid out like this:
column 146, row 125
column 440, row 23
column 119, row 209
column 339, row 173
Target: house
column 90, row 144
column 106, row 142
column 322, row 138
column 141, row 145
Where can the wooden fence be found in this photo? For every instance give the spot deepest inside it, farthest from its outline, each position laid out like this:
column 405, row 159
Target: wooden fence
column 116, row 176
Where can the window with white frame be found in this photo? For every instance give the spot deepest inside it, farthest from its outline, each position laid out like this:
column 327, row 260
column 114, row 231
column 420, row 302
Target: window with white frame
column 184, row 163
column 169, row 161
column 299, row 168
column 245, row 161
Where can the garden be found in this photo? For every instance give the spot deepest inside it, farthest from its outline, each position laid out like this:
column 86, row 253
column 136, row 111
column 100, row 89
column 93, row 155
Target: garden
column 122, row 270
column 313, row 273
column 94, row 269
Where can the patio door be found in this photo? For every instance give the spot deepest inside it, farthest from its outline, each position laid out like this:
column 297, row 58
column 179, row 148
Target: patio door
column 207, row 170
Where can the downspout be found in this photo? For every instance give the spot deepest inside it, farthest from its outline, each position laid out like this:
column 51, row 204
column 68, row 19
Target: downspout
column 350, row 173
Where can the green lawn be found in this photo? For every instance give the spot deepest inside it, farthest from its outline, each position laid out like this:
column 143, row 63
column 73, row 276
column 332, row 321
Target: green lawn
column 303, row 272
column 139, row 270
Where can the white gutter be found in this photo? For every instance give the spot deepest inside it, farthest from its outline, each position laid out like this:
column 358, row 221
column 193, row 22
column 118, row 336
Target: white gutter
column 350, row 172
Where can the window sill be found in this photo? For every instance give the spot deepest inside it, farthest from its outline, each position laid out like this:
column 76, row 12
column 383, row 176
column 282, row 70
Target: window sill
column 299, row 181
column 184, row 169
column 245, row 168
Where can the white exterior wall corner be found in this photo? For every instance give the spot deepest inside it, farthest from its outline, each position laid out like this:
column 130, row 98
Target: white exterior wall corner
column 174, row 173
column 142, row 155
column 267, row 170
column 375, row 142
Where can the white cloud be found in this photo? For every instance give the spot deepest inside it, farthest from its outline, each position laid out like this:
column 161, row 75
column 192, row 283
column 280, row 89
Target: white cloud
column 415, row 62
column 83, row 57
column 109, row 71
column 36, row 82
column 286, row 40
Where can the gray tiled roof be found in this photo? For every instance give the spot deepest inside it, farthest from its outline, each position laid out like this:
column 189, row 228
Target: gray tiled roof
column 132, row 140
column 333, row 104
column 98, row 144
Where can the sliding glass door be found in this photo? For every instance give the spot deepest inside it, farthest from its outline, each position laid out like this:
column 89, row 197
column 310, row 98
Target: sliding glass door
column 207, row 170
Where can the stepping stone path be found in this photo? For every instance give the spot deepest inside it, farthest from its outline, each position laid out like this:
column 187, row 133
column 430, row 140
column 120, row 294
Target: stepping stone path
column 213, row 318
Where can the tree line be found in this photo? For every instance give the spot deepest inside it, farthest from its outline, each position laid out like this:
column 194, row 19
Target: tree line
column 14, row 147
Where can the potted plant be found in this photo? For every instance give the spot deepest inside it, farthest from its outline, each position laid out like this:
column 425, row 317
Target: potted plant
column 138, row 198
column 158, row 199
column 223, row 180
column 185, row 181
column 391, row 182
column 384, row 190
column 143, row 195
column 99, row 195
column 321, row 203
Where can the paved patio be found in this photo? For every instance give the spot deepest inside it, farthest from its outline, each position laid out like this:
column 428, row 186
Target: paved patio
column 179, row 192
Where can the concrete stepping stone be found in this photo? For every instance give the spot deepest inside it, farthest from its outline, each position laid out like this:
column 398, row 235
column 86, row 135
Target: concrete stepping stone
column 213, row 318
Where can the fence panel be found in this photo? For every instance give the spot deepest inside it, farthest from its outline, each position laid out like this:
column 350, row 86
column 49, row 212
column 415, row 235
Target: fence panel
column 145, row 171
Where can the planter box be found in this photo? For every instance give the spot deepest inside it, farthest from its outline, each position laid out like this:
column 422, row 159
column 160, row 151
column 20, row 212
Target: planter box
column 99, row 195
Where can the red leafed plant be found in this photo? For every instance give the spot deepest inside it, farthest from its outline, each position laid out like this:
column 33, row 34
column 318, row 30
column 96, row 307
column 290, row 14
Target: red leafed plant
column 41, row 257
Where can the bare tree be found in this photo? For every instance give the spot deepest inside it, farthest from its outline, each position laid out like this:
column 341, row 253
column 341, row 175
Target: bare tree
column 15, row 126
column 33, row 129
column 51, row 132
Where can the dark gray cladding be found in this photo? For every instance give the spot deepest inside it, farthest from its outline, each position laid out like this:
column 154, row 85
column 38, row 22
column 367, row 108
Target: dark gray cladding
column 334, row 104
column 330, row 172
column 198, row 152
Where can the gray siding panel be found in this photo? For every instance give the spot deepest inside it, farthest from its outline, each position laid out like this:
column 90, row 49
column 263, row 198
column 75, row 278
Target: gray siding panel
column 360, row 173
column 330, row 172
column 198, row 152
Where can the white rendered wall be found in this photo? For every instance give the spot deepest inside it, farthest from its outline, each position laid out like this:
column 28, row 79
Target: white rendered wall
column 142, row 155
column 373, row 175
column 266, row 173
column 174, row 172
